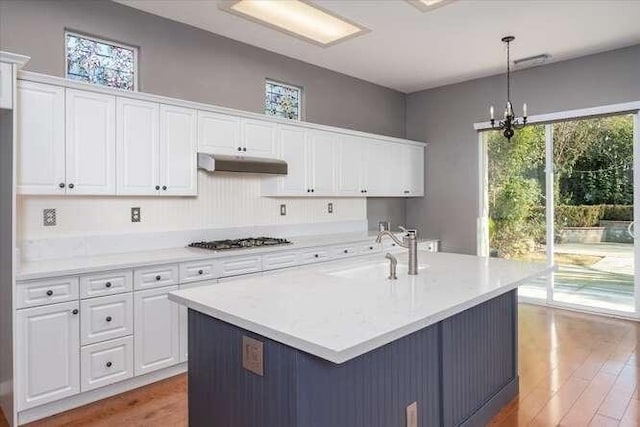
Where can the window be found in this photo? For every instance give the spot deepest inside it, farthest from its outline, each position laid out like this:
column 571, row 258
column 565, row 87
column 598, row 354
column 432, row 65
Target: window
column 283, row 100
column 101, row 62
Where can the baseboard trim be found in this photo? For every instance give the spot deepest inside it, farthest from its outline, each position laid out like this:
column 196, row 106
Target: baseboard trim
column 499, row 400
column 91, row 396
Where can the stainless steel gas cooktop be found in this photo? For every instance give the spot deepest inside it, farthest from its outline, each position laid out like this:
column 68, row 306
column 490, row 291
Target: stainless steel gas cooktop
column 249, row 242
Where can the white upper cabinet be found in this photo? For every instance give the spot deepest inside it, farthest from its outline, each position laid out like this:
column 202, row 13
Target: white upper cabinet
column 416, row 171
column 350, row 165
column 322, row 162
column 258, row 138
column 41, row 157
column 48, row 342
column 218, row 133
column 138, row 147
column 293, row 149
column 178, row 145
column 90, row 143
column 378, row 169
column 6, row 86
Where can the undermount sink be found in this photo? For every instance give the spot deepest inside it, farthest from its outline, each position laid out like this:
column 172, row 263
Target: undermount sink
column 374, row 271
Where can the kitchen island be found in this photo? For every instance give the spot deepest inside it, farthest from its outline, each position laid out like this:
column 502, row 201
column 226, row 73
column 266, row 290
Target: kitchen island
column 339, row 344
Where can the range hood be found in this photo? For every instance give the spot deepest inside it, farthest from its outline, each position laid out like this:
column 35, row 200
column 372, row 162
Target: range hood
column 230, row 163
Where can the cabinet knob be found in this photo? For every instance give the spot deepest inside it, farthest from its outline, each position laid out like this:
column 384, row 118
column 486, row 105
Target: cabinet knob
column 370, row 248
column 244, row 149
column 200, row 272
column 313, row 190
column 75, row 311
column 71, row 185
column 49, row 292
column 109, row 364
column 157, row 187
column 158, row 277
column 164, row 187
column 239, row 148
column 316, row 255
column 108, row 284
column 108, row 319
column 346, row 251
column 406, row 191
column 61, row 185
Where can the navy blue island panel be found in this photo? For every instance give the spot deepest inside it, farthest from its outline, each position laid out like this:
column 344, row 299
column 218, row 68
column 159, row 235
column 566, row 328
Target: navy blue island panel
column 460, row 371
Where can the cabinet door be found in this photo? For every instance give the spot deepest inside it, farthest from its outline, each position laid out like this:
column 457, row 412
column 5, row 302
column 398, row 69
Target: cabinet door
column 6, row 86
column 157, row 330
column 47, row 354
column 137, row 147
column 377, row 169
column 218, row 133
column 40, row 139
column 178, row 157
column 322, row 146
column 295, row 151
column 90, row 143
column 184, row 319
column 350, row 160
column 258, row 138
column 416, row 162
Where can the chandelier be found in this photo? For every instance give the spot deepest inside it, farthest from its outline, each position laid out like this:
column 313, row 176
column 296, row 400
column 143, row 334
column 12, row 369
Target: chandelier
column 510, row 123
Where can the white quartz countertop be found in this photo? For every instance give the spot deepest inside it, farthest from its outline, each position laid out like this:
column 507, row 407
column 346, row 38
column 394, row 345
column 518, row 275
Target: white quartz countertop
column 89, row 264
column 340, row 310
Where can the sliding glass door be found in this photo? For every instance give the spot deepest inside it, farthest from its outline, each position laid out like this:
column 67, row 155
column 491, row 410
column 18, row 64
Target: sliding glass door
column 563, row 193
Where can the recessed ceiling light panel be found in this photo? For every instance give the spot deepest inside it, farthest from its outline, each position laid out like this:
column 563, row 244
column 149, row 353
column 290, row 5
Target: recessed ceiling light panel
column 427, row 5
column 298, row 18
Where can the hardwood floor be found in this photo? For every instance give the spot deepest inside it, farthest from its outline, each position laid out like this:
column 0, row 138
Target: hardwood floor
column 575, row 370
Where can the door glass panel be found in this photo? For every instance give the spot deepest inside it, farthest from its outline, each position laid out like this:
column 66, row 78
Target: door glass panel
column 593, row 182
column 516, row 200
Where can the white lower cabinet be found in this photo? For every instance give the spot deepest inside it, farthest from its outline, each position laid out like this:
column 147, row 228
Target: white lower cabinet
column 47, row 353
column 157, row 330
column 106, row 363
column 105, row 318
column 184, row 319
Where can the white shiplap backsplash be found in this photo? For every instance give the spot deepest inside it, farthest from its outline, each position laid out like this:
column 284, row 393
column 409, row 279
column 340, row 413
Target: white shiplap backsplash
column 225, row 201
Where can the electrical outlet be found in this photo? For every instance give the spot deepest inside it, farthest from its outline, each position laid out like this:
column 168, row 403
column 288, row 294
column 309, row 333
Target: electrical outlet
column 412, row 415
column 330, row 207
column 49, row 217
column 283, row 210
column 253, row 356
column 135, row 215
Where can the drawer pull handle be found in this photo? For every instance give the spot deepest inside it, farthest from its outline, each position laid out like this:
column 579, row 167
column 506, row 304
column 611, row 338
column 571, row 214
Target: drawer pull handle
column 316, row 256
column 108, row 319
column 109, row 364
column 200, row 272
column 158, row 277
column 75, row 311
column 108, row 284
column 370, row 248
column 346, row 251
column 49, row 292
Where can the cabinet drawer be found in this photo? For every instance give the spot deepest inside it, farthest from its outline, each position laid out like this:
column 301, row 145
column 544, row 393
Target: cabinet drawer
column 109, row 283
column 344, row 251
column 156, row 276
column 106, row 318
column 279, row 260
column 49, row 291
column 369, row 248
column 238, row 265
column 196, row 271
column 106, row 363
column 315, row 255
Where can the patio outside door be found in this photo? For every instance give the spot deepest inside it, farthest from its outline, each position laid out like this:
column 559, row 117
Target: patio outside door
column 563, row 193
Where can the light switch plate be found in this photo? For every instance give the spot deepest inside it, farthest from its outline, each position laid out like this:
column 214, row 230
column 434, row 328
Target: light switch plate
column 330, row 207
column 283, row 210
column 412, row 415
column 252, row 355
column 49, row 217
column 135, row 215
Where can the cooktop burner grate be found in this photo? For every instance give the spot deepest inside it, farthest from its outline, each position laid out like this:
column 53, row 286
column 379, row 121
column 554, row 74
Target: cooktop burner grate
column 249, row 242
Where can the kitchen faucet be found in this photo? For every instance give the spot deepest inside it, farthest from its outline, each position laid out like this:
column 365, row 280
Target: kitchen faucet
column 409, row 241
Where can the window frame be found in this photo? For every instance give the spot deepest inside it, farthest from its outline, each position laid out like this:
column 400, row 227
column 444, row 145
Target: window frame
column 135, row 50
column 301, row 101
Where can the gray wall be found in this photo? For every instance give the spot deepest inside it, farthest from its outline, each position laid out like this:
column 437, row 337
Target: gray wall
column 444, row 117
column 184, row 62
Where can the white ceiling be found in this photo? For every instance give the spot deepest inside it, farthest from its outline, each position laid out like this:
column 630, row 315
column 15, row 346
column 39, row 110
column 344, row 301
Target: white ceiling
column 409, row 50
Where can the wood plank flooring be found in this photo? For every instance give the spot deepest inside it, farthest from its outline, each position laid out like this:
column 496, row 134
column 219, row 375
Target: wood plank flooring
column 575, row 370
